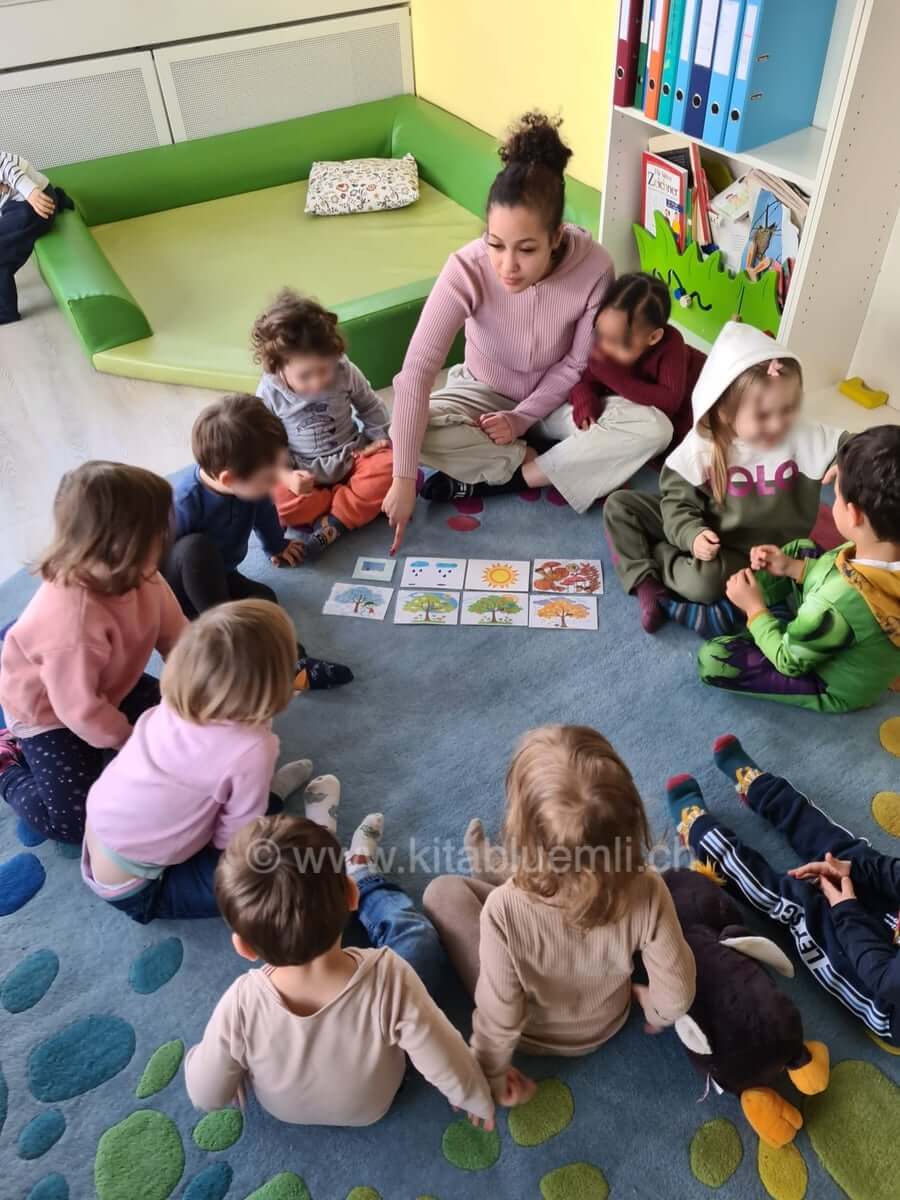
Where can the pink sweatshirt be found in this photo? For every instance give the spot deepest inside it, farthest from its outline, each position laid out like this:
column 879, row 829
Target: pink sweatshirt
column 174, row 787
column 532, row 346
column 74, row 655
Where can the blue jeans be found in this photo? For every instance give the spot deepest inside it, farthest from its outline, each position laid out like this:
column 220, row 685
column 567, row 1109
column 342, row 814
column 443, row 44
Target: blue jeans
column 390, row 918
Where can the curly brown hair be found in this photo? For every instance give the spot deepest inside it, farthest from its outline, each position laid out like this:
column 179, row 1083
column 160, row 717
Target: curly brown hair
column 534, row 159
column 294, row 325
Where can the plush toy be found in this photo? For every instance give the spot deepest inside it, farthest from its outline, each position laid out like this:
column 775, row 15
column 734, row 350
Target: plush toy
column 742, row 1031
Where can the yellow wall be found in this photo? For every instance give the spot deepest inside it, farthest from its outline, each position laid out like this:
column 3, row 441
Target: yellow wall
column 488, row 61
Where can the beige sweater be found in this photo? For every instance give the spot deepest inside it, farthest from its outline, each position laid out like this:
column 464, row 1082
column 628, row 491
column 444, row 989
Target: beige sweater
column 343, row 1064
column 552, row 989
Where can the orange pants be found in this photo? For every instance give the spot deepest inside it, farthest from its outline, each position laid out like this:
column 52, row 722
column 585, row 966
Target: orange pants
column 355, row 502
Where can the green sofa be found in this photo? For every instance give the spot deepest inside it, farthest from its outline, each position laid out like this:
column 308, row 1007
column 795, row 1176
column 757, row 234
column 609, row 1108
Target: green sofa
column 171, row 250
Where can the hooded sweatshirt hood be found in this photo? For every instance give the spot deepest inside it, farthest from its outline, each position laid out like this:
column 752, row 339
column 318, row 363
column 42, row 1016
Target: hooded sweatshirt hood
column 737, row 348
column 879, row 587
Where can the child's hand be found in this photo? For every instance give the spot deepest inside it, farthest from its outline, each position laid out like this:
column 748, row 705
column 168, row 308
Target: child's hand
column 301, row 483
column 291, row 556
column 743, row 590
column 641, row 993
column 374, row 447
column 517, row 1088
column 837, row 889
column 42, row 204
column 835, row 868
column 705, row 545
column 769, row 558
column 498, row 427
column 831, row 474
column 479, row 1122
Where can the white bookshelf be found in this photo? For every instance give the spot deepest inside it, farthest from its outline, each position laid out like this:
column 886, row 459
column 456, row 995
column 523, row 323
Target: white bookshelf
column 849, row 163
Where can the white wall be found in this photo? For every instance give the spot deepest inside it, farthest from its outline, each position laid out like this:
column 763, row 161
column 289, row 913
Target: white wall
column 877, row 356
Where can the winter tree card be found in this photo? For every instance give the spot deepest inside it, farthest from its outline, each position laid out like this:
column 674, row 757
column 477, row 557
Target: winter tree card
column 434, row 573
column 497, row 575
column 569, row 576
column 435, row 607
column 494, row 609
column 358, row 600
column 374, row 568
column 562, row 612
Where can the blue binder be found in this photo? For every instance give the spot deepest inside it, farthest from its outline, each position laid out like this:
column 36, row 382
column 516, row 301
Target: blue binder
column 779, row 70
column 685, row 62
column 728, row 38
column 701, row 71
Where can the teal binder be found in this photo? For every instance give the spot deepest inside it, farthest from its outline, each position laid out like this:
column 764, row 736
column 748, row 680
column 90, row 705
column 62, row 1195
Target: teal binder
column 670, row 61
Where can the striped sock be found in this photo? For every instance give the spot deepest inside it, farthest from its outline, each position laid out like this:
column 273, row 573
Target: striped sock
column 707, row 620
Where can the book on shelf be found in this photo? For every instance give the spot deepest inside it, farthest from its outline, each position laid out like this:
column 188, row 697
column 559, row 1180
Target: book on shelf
column 665, row 190
column 686, row 153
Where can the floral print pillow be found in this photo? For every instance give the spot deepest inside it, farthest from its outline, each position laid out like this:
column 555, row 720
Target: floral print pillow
column 362, row 185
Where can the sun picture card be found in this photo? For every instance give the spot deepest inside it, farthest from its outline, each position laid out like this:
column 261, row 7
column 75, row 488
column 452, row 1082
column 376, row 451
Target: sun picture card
column 358, row 600
column 497, row 575
column 368, row 567
column 422, row 606
column 562, row 612
column 421, row 572
column 568, row 576
column 495, row 610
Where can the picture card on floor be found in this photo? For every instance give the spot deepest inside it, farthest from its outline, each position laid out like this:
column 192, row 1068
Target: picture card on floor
column 562, row 612
column 374, row 568
column 435, row 607
column 569, row 576
column 494, row 609
column 358, row 600
column 434, row 573
column 497, row 575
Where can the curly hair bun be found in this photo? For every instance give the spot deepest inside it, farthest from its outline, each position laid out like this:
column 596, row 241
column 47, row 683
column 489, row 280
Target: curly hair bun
column 534, row 141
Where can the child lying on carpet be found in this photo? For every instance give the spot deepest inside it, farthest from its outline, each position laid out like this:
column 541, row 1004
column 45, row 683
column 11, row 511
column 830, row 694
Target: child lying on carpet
column 548, row 953
column 842, row 649
column 239, row 448
column 840, row 906
column 639, row 355
column 198, row 767
column 321, row 1033
column 340, row 472
column 749, row 471
column 71, row 672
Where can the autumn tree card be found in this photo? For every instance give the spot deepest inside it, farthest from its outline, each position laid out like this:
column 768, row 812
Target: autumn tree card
column 497, row 575
column 435, row 607
column 570, row 576
column 562, row 612
column 497, row 610
column 358, row 600
column 433, row 573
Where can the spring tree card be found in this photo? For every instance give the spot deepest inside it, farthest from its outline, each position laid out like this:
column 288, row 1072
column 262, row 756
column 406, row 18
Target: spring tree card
column 497, row 610
column 358, row 600
column 562, row 612
column 568, row 575
column 497, row 575
column 433, row 573
column 436, row 607
column 374, row 568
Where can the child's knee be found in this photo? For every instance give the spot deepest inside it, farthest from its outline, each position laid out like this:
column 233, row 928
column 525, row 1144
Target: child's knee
column 444, row 895
column 616, row 508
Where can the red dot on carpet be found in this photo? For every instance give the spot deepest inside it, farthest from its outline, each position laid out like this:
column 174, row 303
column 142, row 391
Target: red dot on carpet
column 464, row 524
column 554, row 497
column 473, row 505
column 530, row 494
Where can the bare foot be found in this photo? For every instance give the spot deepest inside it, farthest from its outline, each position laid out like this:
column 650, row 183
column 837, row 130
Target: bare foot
column 486, row 862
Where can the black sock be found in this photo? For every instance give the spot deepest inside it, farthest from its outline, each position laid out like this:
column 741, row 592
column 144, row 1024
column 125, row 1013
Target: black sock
column 443, row 488
column 316, row 675
column 516, row 484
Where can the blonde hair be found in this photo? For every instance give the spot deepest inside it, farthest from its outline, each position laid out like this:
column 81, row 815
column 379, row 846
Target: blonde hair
column 717, row 425
column 236, row 662
column 112, row 521
column 575, row 824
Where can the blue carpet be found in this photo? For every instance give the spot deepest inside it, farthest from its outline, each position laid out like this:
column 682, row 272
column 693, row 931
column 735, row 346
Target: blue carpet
column 424, row 733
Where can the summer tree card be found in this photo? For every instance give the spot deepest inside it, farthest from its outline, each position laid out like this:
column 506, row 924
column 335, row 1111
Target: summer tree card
column 435, row 607
column 433, row 573
column 497, row 575
column 582, row 576
column 358, row 600
column 494, row 609
column 374, row 568
column 562, row 612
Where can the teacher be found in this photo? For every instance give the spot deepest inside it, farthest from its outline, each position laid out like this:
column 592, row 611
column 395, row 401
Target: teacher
column 527, row 293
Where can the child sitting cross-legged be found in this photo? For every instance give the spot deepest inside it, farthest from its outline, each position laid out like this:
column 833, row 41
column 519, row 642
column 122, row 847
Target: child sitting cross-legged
column 240, row 449
column 320, row 1032
column 548, row 953
column 199, row 766
column 337, row 428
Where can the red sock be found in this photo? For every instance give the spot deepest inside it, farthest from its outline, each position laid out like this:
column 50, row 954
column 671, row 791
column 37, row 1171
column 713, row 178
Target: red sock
column 649, row 592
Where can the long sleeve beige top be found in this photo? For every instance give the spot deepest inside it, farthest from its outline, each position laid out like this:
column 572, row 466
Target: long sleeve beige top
column 549, row 988
column 341, row 1065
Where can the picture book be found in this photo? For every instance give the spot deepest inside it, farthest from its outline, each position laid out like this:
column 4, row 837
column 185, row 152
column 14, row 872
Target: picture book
column 567, row 576
column 665, row 189
column 436, row 607
column 562, row 612
column 374, row 568
column 434, row 573
column 358, row 600
column 773, row 240
column 497, row 575
column 497, row 610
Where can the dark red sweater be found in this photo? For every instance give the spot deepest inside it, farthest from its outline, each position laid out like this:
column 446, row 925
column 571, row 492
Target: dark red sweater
column 663, row 378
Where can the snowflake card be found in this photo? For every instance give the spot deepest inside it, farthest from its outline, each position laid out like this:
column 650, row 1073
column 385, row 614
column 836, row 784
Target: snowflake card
column 497, row 575
column 435, row 607
column 562, row 612
column 568, row 576
column 424, row 572
column 358, row 600
column 374, row 568
column 496, row 610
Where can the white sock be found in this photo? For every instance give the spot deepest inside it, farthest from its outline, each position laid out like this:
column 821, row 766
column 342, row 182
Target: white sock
column 364, row 845
column 290, row 777
column 319, row 801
